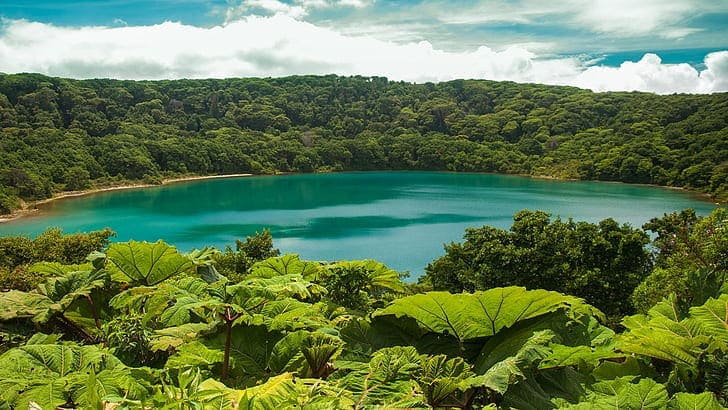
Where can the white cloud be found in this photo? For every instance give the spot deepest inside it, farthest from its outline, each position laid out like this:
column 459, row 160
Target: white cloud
column 630, row 17
column 355, row 3
column 667, row 19
column 650, row 74
column 715, row 76
column 282, row 45
column 679, row 33
column 270, row 6
column 297, row 9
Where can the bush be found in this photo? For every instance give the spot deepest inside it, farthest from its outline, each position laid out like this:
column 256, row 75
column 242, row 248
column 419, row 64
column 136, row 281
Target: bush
column 258, row 247
column 51, row 246
column 131, row 341
column 347, row 286
column 20, row 278
column 8, row 203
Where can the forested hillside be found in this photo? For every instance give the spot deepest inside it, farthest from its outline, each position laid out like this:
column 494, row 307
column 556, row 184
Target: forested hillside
column 61, row 134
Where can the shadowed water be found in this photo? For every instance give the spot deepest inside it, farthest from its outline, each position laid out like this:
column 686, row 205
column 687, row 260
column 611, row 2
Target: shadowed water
column 400, row 218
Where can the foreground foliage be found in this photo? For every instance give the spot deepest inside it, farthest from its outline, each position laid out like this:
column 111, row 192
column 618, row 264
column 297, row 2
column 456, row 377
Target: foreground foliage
column 141, row 325
column 62, row 134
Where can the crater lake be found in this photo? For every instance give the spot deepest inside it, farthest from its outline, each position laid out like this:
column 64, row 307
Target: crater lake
column 399, row 218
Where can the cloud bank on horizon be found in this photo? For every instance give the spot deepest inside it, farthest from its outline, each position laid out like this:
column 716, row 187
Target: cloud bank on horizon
column 274, row 38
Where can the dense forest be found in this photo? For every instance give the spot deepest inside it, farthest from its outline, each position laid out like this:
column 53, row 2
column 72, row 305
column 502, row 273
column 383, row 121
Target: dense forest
column 85, row 323
column 61, row 134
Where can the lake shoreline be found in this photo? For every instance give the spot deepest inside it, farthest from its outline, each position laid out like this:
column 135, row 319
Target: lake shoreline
column 702, row 195
column 32, row 208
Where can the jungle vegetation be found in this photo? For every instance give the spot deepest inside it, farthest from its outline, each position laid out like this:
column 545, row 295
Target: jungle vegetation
column 142, row 325
column 60, row 134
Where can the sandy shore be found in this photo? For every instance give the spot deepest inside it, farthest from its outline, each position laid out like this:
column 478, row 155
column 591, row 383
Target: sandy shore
column 32, row 207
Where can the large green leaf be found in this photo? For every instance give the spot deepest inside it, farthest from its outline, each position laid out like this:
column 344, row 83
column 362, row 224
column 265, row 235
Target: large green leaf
column 186, row 390
column 289, row 264
column 256, row 353
column 688, row 401
column 542, row 389
column 286, row 392
column 16, row 304
column 204, row 261
column 54, row 296
column 148, row 263
column 482, row 314
column 509, row 341
column 646, row 394
column 194, row 354
column 289, row 285
column 712, row 317
column 389, row 331
column 290, row 314
column 621, row 393
column 57, row 269
column 662, row 335
column 445, row 382
column 578, row 356
column 176, row 336
column 631, row 366
column 517, row 375
column 181, row 311
column 500, row 375
column 49, row 375
column 168, row 304
column 268, row 395
column 114, row 384
column 320, row 350
column 133, row 299
column 67, row 288
column 387, row 381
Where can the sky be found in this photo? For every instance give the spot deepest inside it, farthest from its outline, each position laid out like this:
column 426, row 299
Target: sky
column 660, row 46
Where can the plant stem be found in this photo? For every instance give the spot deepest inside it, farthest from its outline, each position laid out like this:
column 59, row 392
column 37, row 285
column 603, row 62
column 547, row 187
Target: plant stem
column 93, row 312
column 78, row 329
column 229, row 317
column 226, row 359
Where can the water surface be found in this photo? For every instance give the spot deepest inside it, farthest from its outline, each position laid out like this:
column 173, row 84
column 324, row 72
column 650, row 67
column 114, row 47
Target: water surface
column 400, row 218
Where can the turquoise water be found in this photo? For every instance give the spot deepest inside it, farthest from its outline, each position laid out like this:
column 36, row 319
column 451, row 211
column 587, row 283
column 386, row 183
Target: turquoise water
column 400, row 218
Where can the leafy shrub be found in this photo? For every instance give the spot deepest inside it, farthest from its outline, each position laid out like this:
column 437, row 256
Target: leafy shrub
column 235, row 264
column 20, row 278
column 52, row 246
column 130, row 340
column 8, row 202
column 347, row 286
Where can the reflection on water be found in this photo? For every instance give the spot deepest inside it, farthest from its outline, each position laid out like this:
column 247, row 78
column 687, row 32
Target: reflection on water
column 400, row 218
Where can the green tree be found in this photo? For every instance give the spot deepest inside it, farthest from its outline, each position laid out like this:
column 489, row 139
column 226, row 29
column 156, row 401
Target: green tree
column 77, row 178
column 602, row 263
column 254, row 249
column 692, row 259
